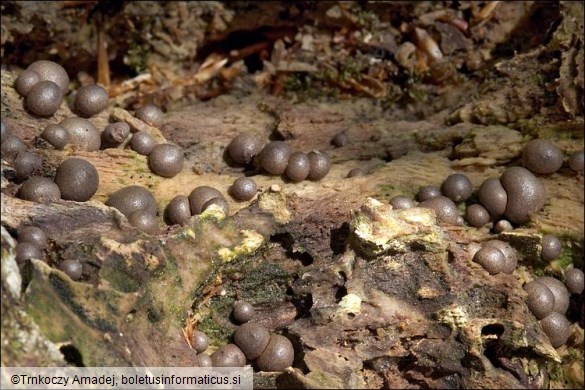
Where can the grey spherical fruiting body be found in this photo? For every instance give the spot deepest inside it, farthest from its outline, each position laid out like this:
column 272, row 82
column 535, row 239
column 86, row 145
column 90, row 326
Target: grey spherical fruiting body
column 201, row 195
column 457, row 187
column 503, row 225
column 252, row 339
column 44, row 98
column 526, row 194
column 542, row 156
column 298, row 166
column 559, row 291
column 26, row 164
column 72, row 268
column 444, row 208
column 142, row 143
column 577, row 161
column 82, row 133
column 356, row 172
column 115, row 133
column 340, row 139
column 476, row 215
column 77, row 179
column 402, row 202
column 427, row 193
column 274, row 157
column 551, row 247
column 133, row 198
column 151, row 114
column 91, row 100
column 25, row 81
column 178, row 210
column 56, row 135
column 557, row 328
column 51, row 71
column 493, row 197
column 541, row 301
column 510, row 254
column 230, row 355
column 574, row 280
column 491, row 259
column 202, row 360
column 166, row 160
column 33, row 235
column 243, row 188
column 40, row 190
column 320, row 165
column 11, row 147
column 278, row 355
column 220, row 202
column 199, row 341
column 144, row 221
column 25, row 251
column 243, row 311
column 244, row 147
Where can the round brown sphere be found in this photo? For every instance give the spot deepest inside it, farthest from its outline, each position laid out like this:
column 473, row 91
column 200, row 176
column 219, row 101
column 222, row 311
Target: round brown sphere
column 557, row 328
column 278, row 355
column 25, row 251
column 576, row 162
column 230, row 355
column 77, row 179
column 25, row 81
column 574, row 280
column 144, row 221
column 91, row 100
column 320, row 165
column 72, row 268
column 402, row 202
column 244, row 147
column 476, row 215
column 356, row 172
column 51, row 71
column 142, row 143
column 178, row 210
column 199, row 341
column 202, row 360
column 541, row 301
column 115, row 133
column 274, row 157
column 427, row 193
column 82, row 133
column 559, row 291
column 457, row 187
column 201, row 195
column 340, row 139
column 551, row 247
column 56, row 135
column 26, row 164
column 221, row 202
column 166, row 160
column 542, row 156
column 243, row 311
column 491, row 259
column 11, row 147
column 44, row 98
column 244, row 188
column 133, row 198
column 252, row 339
column 40, row 190
column 33, row 235
column 444, row 208
column 526, row 194
column 493, row 197
column 503, row 225
column 298, row 166
column 509, row 252
column 151, row 114
column 5, row 132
